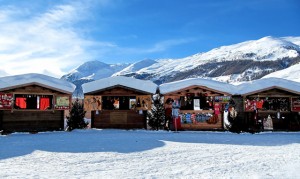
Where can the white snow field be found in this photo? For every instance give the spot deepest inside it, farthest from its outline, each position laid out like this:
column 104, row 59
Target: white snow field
column 149, row 154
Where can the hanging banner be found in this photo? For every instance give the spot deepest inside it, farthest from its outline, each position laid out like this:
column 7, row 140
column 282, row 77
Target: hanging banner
column 62, row 102
column 196, row 104
column 268, row 123
column 92, row 103
column 132, row 103
column 6, row 101
column 143, row 102
column 296, row 104
column 222, row 99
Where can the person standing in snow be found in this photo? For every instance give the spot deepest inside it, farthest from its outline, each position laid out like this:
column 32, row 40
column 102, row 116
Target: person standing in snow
column 175, row 112
column 168, row 113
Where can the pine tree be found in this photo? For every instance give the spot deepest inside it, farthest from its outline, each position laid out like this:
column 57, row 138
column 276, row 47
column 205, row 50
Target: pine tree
column 156, row 117
column 75, row 120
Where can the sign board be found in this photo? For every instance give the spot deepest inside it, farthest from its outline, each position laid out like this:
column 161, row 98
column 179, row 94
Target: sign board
column 296, row 104
column 222, row 99
column 92, row 103
column 132, row 103
column 62, row 102
column 6, row 101
column 143, row 102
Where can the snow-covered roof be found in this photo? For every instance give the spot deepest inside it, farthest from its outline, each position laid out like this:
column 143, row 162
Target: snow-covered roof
column 141, row 85
column 10, row 82
column 267, row 83
column 211, row 84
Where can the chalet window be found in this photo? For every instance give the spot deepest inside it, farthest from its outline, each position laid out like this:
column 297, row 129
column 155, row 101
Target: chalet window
column 191, row 102
column 29, row 101
column 118, row 102
column 267, row 103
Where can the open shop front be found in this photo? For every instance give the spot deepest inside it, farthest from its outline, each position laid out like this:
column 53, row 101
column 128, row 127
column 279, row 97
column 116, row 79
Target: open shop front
column 33, row 107
column 274, row 109
column 117, row 106
column 196, row 108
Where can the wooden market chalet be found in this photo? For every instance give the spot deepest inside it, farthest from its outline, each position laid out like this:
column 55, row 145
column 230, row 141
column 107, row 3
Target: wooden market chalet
column 201, row 102
column 34, row 102
column 270, row 104
column 118, row 102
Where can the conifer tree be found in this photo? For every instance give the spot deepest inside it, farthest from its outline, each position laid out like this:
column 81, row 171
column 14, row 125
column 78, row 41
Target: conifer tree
column 156, row 117
column 75, row 120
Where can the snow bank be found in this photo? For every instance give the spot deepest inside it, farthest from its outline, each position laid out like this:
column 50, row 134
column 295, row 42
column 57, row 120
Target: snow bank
column 149, row 154
column 142, row 85
column 34, row 78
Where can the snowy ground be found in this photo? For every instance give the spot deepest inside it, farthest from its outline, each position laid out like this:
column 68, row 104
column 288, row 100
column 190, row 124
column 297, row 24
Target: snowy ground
column 149, row 154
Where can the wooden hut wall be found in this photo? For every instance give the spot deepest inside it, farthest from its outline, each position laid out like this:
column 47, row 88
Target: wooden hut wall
column 129, row 117
column 121, row 119
column 24, row 121
column 205, row 118
column 33, row 119
column 275, row 110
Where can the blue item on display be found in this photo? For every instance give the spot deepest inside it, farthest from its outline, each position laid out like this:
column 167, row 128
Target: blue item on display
column 188, row 118
column 183, row 119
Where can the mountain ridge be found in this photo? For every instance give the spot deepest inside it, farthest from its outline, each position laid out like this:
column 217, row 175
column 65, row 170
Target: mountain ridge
column 239, row 62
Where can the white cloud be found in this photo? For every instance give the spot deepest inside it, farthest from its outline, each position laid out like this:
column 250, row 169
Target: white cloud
column 44, row 42
column 52, row 41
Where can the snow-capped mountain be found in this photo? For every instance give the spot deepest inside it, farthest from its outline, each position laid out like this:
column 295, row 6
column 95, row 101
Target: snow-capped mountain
column 253, row 54
column 234, row 63
column 94, row 70
column 90, row 71
column 136, row 67
column 3, row 73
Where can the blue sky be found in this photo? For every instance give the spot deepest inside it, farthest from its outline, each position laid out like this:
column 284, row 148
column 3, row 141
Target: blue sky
column 54, row 37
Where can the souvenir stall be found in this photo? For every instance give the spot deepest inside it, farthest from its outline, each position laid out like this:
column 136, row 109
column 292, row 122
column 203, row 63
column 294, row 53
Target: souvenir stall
column 118, row 102
column 34, row 102
column 201, row 103
column 272, row 104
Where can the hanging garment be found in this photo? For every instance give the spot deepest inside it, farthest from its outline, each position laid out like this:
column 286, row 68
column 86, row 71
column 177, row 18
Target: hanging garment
column 193, row 118
column 175, row 108
column 20, row 103
column 268, row 123
column 44, row 103
column 217, row 108
column 233, row 113
column 188, row 118
column 226, row 122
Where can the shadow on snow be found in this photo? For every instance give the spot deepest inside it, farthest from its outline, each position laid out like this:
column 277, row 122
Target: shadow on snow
column 121, row 141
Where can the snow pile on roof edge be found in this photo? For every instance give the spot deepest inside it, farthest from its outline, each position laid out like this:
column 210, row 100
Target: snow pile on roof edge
column 142, row 85
column 19, row 80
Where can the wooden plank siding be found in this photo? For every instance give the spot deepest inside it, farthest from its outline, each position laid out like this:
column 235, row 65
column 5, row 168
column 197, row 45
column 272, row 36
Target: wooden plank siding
column 27, row 121
column 33, row 120
column 120, row 119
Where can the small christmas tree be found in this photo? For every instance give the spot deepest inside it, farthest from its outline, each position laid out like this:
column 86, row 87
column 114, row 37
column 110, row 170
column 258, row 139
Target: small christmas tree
column 75, row 120
column 156, row 117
